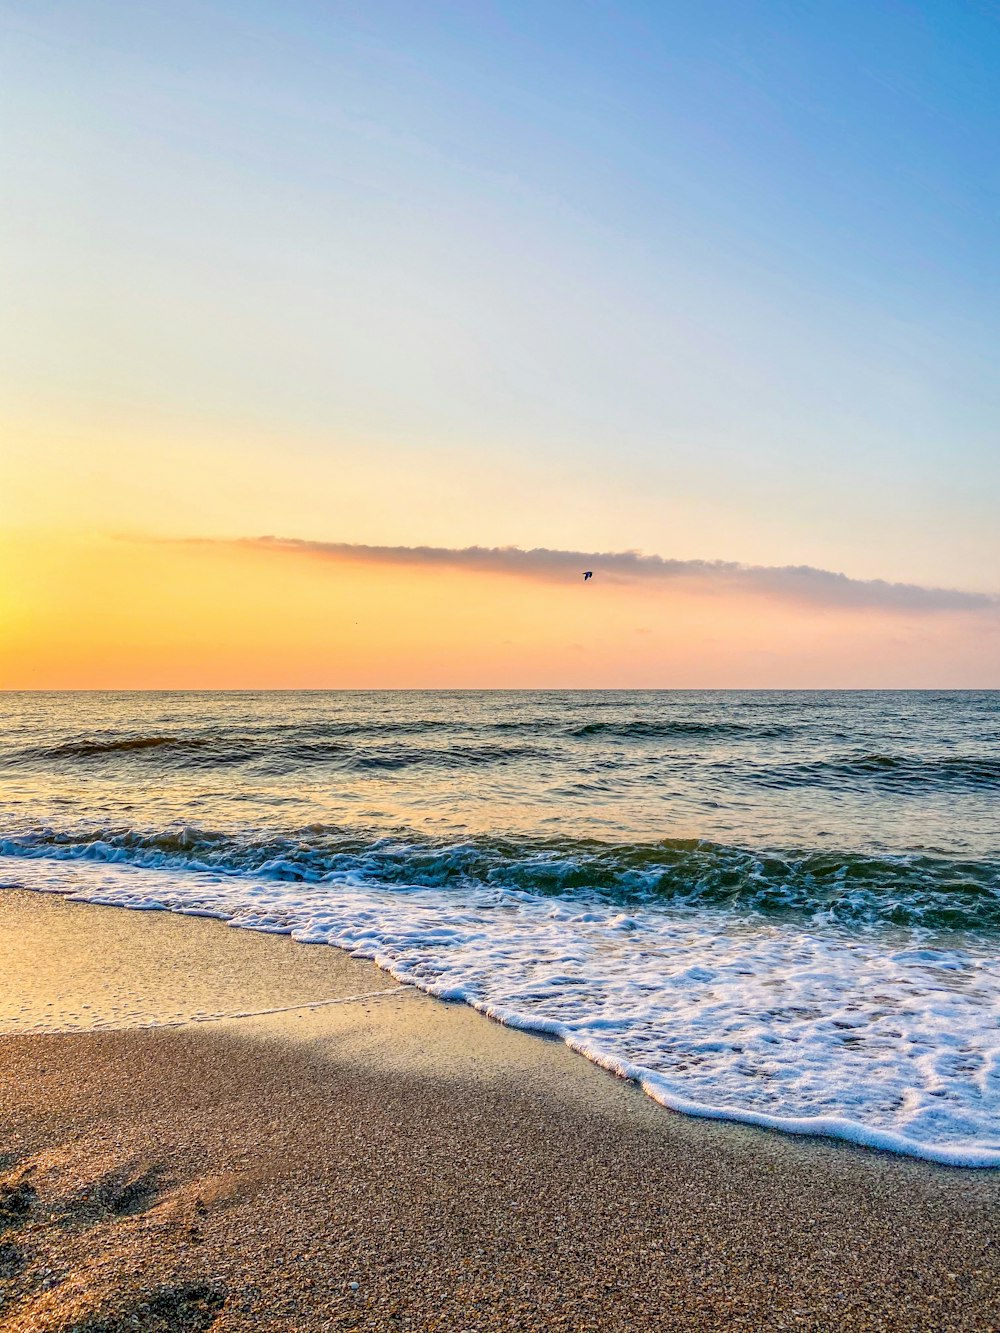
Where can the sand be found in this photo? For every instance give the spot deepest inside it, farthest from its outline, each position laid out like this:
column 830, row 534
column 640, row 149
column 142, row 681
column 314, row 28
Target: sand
column 393, row 1162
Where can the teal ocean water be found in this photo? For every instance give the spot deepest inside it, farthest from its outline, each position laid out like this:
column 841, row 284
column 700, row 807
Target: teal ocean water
column 771, row 906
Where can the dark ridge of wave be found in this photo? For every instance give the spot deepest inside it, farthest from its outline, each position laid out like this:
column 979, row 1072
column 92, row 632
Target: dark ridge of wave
column 642, row 727
column 287, row 741
column 849, row 889
column 212, row 750
column 199, row 748
column 455, row 756
column 88, row 749
column 326, row 730
column 941, row 772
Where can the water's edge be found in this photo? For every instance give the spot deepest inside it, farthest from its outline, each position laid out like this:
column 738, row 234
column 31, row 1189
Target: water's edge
column 647, row 1080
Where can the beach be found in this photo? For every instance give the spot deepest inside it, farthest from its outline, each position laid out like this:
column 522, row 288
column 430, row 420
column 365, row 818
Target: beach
column 393, row 1161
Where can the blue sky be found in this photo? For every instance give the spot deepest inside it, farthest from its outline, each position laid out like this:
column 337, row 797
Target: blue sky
column 712, row 280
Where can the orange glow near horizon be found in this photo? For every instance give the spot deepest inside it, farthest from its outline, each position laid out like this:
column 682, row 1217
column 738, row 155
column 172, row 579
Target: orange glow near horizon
column 84, row 613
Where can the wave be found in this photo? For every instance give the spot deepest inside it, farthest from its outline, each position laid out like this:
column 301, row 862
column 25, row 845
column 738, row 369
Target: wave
column 455, row 756
column 87, row 749
column 801, row 1030
column 320, row 739
column 209, row 750
column 641, row 728
column 849, row 889
column 937, row 772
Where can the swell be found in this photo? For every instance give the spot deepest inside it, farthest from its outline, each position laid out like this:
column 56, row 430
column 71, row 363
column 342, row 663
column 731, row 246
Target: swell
column 850, row 889
column 894, row 771
column 641, row 728
column 206, row 751
column 391, row 745
column 292, row 742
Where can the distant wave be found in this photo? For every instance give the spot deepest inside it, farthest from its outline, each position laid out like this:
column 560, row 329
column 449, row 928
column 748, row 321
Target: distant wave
column 640, row 728
column 86, row 749
column 896, row 770
column 209, row 750
column 851, row 889
column 368, row 744
column 454, row 756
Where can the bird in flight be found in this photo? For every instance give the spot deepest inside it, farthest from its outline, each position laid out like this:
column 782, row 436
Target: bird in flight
column 587, row 574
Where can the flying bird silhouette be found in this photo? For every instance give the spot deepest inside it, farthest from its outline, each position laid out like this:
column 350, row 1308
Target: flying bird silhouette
column 587, row 574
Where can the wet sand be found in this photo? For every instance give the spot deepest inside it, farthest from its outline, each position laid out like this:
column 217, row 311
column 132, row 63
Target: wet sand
column 393, row 1162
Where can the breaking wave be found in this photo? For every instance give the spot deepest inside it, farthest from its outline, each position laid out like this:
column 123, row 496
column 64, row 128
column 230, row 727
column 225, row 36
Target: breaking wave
column 912, row 890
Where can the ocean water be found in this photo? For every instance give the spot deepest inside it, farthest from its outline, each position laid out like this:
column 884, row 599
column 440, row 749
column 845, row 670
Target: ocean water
column 776, row 907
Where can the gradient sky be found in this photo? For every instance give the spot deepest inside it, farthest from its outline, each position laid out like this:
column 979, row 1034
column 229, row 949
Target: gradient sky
column 709, row 280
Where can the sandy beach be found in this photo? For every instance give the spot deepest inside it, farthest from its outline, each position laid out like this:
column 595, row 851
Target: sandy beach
column 371, row 1158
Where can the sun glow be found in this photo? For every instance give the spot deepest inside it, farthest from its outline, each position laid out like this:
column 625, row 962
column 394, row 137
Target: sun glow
column 89, row 613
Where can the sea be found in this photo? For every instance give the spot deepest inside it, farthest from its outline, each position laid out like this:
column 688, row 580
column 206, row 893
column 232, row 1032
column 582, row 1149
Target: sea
column 781, row 908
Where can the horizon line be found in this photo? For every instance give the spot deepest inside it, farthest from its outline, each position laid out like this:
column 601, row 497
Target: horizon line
column 504, row 689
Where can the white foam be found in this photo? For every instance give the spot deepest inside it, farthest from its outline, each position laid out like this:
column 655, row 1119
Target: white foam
column 889, row 1042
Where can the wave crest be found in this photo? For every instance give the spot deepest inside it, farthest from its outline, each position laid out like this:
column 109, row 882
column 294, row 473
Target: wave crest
column 852, row 889
column 937, row 772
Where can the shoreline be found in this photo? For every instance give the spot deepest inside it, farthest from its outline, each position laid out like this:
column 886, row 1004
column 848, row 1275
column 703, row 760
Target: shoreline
column 652, row 1084
column 243, row 1173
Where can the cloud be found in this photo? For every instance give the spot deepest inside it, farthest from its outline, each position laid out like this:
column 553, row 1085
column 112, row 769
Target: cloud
column 800, row 584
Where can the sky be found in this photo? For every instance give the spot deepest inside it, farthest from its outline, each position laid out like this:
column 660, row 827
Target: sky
column 337, row 339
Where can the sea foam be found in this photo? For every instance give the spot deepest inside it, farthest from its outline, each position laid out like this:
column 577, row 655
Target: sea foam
column 879, row 1038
